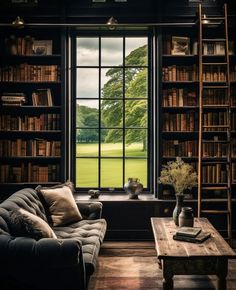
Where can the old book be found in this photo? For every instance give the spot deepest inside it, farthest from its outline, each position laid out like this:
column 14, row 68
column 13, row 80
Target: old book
column 188, row 231
column 200, row 238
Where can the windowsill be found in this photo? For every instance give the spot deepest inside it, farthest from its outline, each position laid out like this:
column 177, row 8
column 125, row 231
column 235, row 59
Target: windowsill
column 115, row 197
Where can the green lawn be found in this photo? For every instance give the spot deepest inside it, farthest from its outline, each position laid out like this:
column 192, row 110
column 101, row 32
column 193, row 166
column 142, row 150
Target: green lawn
column 111, row 169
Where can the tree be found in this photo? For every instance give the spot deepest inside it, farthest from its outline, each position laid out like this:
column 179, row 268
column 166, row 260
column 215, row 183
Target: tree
column 135, row 87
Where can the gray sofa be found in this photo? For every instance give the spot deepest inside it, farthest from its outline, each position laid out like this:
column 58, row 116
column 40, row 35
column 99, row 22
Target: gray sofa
column 63, row 263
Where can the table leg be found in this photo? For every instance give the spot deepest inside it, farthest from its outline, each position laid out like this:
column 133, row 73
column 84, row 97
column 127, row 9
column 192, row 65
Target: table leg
column 167, row 277
column 222, row 271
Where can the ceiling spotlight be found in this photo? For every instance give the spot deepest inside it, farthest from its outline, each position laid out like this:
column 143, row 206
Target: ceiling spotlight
column 112, row 22
column 18, row 22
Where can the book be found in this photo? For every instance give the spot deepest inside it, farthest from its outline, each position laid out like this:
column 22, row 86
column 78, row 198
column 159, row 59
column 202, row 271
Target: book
column 200, row 238
column 188, row 231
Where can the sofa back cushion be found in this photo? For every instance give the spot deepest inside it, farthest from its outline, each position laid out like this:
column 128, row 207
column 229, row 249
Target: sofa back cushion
column 26, row 199
column 61, row 204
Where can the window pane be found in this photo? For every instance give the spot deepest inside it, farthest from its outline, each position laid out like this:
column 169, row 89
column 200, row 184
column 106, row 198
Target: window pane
column 112, row 113
column 87, row 113
column 136, row 142
column 87, row 83
column 111, row 51
column 111, row 83
column 87, row 51
column 112, row 142
column 136, row 51
column 87, row 142
column 136, row 113
column 111, row 172
column 136, row 83
column 136, row 168
column 87, row 172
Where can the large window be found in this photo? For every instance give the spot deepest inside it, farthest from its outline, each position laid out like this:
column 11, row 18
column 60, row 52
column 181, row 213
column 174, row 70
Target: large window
column 112, row 100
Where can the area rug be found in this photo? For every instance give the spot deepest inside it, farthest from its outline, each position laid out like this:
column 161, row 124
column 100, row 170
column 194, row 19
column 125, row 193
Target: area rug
column 137, row 272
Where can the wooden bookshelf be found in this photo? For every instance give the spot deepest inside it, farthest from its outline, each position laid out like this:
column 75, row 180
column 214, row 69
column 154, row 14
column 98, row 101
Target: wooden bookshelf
column 30, row 107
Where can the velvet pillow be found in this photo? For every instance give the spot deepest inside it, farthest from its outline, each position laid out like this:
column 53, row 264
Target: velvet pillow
column 61, row 204
column 24, row 223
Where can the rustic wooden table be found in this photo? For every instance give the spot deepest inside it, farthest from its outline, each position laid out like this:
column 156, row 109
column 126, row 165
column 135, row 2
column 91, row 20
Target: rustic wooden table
column 184, row 258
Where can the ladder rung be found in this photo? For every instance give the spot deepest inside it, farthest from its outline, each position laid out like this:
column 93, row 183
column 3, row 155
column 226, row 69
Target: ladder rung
column 213, row 18
column 217, row 141
column 215, row 87
column 215, row 126
column 214, row 63
column 215, row 106
column 213, row 39
column 214, row 211
column 215, row 188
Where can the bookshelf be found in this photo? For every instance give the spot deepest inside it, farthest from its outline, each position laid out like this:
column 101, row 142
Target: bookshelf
column 198, row 112
column 30, row 108
column 179, row 99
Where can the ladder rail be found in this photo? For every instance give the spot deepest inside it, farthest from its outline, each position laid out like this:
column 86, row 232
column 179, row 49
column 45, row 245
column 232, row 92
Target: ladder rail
column 227, row 125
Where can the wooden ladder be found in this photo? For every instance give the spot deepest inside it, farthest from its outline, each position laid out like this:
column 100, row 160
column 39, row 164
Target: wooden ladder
column 211, row 178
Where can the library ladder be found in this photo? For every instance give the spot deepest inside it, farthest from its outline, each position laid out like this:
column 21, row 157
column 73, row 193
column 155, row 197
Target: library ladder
column 214, row 148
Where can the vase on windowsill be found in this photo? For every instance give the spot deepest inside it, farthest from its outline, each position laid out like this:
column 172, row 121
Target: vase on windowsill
column 178, row 207
column 133, row 187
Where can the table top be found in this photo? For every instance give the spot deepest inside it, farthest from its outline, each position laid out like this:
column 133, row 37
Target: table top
column 167, row 248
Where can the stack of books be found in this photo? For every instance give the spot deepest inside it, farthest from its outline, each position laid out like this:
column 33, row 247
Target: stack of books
column 13, row 99
column 191, row 234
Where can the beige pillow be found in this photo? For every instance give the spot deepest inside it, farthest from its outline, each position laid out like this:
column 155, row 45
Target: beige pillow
column 62, row 205
column 24, row 223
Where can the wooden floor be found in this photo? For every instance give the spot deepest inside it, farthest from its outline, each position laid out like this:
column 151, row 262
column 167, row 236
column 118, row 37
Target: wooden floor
column 133, row 266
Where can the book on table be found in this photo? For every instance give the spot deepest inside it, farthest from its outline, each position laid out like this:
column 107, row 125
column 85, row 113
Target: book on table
column 200, row 238
column 188, row 231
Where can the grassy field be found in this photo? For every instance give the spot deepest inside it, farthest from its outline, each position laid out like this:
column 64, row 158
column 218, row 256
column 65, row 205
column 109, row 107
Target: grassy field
column 111, row 169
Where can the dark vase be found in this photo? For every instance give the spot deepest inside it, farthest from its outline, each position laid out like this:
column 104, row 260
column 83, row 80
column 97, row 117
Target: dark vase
column 186, row 218
column 178, row 208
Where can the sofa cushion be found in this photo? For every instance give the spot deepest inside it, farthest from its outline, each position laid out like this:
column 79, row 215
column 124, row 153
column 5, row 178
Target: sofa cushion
column 26, row 224
column 91, row 234
column 61, row 204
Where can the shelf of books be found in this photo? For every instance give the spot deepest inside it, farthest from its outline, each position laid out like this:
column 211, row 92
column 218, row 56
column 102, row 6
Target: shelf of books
column 179, row 99
column 30, row 106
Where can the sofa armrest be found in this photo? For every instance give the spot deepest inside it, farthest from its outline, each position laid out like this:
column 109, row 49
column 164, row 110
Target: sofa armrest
column 50, row 253
column 90, row 210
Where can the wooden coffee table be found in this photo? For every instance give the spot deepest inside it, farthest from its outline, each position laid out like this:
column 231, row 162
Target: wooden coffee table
column 183, row 258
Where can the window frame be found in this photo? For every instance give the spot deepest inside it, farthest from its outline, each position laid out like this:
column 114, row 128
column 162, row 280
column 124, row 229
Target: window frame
column 116, row 33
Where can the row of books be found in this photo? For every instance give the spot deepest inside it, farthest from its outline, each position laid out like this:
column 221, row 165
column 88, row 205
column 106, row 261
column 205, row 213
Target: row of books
column 216, row 173
column 40, row 97
column 179, row 98
column 214, row 48
column 215, row 120
column 28, row 123
column 27, row 45
column 179, row 73
column 180, row 122
column 36, row 147
column 29, row 172
column 30, row 73
column 174, row 148
column 213, row 73
column 214, row 97
column 189, row 148
column 13, row 99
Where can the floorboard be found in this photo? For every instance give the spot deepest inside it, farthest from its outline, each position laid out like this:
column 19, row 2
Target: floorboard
column 133, row 266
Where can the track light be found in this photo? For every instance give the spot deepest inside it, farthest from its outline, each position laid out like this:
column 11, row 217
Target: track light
column 18, row 22
column 112, row 23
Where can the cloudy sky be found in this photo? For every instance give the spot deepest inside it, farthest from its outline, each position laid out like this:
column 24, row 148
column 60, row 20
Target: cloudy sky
column 111, row 55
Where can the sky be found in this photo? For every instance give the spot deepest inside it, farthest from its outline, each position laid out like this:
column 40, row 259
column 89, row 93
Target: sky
column 111, row 55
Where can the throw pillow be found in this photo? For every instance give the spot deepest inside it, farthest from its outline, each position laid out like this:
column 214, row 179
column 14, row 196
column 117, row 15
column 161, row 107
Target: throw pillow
column 61, row 203
column 24, row 223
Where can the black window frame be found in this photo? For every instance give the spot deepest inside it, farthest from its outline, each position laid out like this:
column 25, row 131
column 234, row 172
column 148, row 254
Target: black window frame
column 150, row 127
